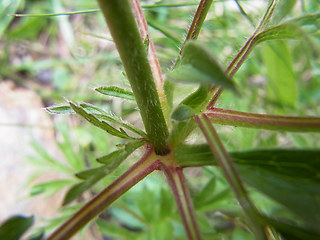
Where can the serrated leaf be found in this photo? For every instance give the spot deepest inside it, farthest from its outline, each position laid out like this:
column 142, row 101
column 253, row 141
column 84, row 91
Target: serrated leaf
column 101, row 124
column 109, row 117
column 60, row 110
column 14, row 227
column 197, row 65
column 116, row 92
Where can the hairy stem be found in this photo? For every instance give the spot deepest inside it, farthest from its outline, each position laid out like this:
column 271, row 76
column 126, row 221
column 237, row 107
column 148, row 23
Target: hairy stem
column 152, row 56
column 181, row 193
column 133, row 53
column 264, row 121
column 230, row 172
column 147, row 164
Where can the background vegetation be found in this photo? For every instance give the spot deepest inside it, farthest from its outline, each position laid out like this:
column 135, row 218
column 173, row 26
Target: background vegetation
column 66, row 57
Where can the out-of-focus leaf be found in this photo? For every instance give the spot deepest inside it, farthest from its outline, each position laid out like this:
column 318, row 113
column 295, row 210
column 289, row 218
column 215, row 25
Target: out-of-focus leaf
column 86, row 174
column 39, row 236
column 283, row 31
column 182, row 112
column 14, row 227
column 205, row 194
column 116, row 92
column 281, row 85
column 283, row 8
column 60, row 110
column 7, row 7
column 197, row 65
column 111, row 229
column 92, row 176
column 166, row 204
column 292, row 232
column 45, row 158
column 49, row 187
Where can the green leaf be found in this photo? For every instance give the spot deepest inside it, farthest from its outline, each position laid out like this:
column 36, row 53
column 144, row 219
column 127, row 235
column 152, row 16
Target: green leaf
column 281, row 85
column 112, row 229
column 206, row 194
column 287, row 30
column 116, row 92
column 292, row 232
column 197, row 65
column 109, row 117
column 182, row 112
column 14, row 227
column 60, row 110
column 101, row 124
column 49, row 187
column 300, row 196
column 89, row 173
column 291, row 177
column 112, row 160
column 7, row 7
column 283, row 9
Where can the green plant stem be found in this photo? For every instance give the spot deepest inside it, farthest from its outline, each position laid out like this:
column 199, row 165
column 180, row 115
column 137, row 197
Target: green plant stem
column 147, row 164
column 196, row 24
column 225, row 162
column 126, row 35
column 152, row 56
column 264, row 121
column 181, row 194
column 237, row 62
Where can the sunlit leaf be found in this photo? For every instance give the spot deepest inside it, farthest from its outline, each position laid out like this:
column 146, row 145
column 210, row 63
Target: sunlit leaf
column 14, row 227
column 101, row 124
column 60, row 109
column 111, row 118
column 49, row 187
column 116, row 92
column 281, row 85
column 197, row 65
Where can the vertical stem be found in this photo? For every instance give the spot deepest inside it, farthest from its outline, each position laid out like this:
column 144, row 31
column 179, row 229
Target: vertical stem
column 126, row 35
column 181, row 193
column 136, row 173
column 152, row 56
column 230, row 172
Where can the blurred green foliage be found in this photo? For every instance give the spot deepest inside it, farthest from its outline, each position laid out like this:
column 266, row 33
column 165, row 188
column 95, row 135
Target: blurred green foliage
column 65, row 56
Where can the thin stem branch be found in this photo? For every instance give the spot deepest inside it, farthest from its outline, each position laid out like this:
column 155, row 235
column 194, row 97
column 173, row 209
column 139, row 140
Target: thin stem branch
column 181, row 193
column 264, row 121
column 225, row 162
column 196, row 24
column 147, row 164
column 133, row 53
column 246, row 49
